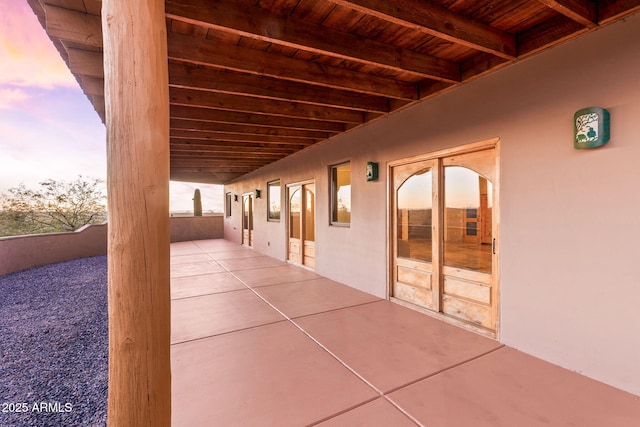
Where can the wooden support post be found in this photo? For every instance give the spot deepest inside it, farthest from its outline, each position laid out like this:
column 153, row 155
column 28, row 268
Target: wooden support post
column 137, row 118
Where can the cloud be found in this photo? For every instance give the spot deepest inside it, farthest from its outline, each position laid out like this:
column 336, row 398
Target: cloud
column 54, row 134
column 12, row 96
column 26, row 54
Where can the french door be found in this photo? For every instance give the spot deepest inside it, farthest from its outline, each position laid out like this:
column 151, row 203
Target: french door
column 444, row 235
column 247, row 220
column 301, row 201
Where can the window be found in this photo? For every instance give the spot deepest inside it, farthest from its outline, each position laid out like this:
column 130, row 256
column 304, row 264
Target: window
column 227, row 205
column 273, row 200
column 341, row 194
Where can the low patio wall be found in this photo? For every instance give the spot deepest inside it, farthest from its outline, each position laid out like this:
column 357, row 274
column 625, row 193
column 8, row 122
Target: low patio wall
column 185, row 228
column 22, row 252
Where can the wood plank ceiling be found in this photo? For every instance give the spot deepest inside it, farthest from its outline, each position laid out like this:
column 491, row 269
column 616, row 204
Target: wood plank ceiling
column 253, row 81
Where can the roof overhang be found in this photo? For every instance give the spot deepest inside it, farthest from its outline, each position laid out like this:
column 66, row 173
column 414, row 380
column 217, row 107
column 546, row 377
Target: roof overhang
column 252, row 82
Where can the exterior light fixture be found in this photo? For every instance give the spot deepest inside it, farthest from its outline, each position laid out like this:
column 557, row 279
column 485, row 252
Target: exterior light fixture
column 590, row 128
column 235, row 197
column 257, row 193
column 372, row 171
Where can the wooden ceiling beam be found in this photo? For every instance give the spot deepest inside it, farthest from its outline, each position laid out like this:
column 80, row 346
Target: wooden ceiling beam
column 241, row 170
column 178, row 149
column 239, row 161
column 74, row 26
column 229, row 16
column 481, row 64
column 222, row 101
column 224, row 163
column 223, row 136
column 211, row 53
column 547, row 34
column 224, row 81
column 215, row 144
column 218, row 156
column 216, row 177
column 614, row 10
column 229, row 158
column 232, row 117
column 439, row 22
column 225, row 157
column 85, row 62
column 92, row 85
column 195, row 125
column 584, row 12
column 228, row 172
column 204, row 144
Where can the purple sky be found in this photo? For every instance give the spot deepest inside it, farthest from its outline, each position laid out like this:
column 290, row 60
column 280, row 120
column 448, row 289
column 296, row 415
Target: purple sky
column 48, row 128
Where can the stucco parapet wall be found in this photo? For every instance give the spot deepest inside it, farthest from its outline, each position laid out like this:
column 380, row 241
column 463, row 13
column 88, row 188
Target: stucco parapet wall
column 23, row 252
column 184, row 228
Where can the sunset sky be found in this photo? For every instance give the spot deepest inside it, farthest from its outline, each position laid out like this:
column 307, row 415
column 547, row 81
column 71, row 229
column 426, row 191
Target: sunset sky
column 48, row 128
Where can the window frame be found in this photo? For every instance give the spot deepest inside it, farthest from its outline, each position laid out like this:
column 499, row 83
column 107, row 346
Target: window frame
column 333, row 195
column 276, row 183
column 227, row 204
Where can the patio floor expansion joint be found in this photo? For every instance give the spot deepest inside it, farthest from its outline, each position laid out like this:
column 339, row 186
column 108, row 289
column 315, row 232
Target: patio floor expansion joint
column 349, row 368
column 248, row 328
column 448, row 368
column 206, row 294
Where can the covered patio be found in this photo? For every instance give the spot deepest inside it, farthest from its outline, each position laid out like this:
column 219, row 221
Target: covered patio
column 257, row 341
column 248, row 93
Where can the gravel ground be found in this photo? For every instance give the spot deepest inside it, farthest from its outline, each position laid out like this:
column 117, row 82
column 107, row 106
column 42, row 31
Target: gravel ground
column 54, row 345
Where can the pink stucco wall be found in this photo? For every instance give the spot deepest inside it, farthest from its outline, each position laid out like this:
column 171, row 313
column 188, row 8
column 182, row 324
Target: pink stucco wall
column 196, row 228
column 569, row 274
column 22, row 252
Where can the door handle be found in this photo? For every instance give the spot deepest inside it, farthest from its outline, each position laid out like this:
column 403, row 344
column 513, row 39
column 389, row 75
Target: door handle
column 493, row 246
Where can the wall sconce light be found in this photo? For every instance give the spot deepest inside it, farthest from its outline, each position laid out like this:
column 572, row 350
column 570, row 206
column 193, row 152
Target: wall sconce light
column 590, row 127
column 372, row 171
column 235, row 197
column 257, row 193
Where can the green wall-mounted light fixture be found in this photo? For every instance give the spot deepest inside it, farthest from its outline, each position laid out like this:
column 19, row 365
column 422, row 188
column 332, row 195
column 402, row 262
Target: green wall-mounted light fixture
column 590, row 128
column 372, row 171
column 257, row 194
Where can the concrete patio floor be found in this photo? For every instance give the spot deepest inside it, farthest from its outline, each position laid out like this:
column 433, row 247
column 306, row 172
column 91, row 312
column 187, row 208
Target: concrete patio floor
column 260, row 342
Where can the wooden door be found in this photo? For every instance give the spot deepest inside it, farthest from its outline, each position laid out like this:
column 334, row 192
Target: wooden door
column 443, row 226
column 301, row 202
column 247, row 220
column 415, row 213
column 469, row 262
column 294, row 204
column 309, row 225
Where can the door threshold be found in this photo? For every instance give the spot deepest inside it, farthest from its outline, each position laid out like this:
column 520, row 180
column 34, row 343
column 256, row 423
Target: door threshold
column 301, row 265
column 448, row 319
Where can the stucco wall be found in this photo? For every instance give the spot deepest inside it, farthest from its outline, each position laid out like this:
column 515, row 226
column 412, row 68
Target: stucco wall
column 22, row 252
column 196, row 228
column 570, row 276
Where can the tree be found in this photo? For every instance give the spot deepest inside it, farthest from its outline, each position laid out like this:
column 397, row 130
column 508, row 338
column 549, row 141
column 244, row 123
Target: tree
column 55, row 206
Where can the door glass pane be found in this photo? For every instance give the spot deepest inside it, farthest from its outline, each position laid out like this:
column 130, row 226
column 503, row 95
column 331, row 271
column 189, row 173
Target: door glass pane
column 467, row 219
column 245, row 212
column 415, row 217
column 273, row 200
column 309, row 217
column 341, row 193
column 250, row 212
column 294, row 213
